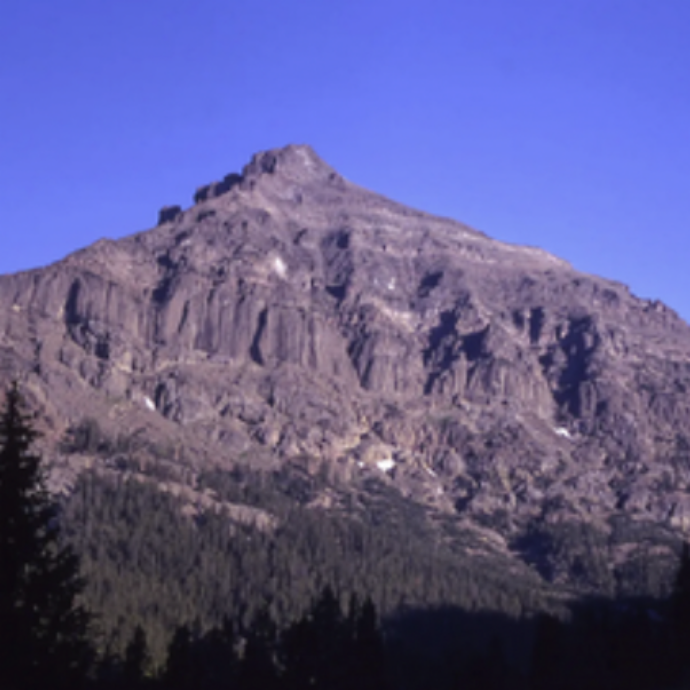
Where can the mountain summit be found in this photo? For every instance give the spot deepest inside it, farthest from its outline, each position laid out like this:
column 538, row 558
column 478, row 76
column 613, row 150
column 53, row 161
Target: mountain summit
column 291, row 319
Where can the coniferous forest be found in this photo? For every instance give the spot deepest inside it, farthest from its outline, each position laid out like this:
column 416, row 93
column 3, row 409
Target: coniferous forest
column 119, row 587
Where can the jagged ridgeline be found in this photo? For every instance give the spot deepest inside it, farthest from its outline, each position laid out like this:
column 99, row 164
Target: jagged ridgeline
column 294, row 327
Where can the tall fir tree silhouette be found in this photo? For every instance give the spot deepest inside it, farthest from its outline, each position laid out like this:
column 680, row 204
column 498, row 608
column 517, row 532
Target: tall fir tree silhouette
column 680, row 613
column 181, row 669
column 368, row 664
column 258, row 669
column 137, row 661
column 43, row 630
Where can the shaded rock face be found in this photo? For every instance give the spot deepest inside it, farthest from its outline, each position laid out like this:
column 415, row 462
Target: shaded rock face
column 291, row 314
column 168, row 214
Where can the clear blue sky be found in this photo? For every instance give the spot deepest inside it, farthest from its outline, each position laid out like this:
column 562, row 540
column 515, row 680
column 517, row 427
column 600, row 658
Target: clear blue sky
column 558, row 123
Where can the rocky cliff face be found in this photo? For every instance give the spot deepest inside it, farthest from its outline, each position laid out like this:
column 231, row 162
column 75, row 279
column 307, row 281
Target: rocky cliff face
column 291, row 317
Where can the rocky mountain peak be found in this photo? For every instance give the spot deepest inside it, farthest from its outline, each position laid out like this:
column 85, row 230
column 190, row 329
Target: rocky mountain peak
column 290, row 166
column 290, row 318
column 294, row 163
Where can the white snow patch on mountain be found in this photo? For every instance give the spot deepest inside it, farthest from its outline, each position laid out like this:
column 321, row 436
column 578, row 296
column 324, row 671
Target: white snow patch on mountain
column 280, row 267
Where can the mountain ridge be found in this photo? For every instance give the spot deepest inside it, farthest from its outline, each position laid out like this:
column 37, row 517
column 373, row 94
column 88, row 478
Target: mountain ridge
column 292, row 318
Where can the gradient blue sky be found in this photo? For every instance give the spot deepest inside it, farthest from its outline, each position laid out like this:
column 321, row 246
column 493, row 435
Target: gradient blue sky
column 558, row 123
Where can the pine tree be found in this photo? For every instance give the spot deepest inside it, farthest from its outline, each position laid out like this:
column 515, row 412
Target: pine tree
column 680, row 612
column 42, row 628
column 368, row 662
column 137, row 660
column 258, row 670
column 180, row 671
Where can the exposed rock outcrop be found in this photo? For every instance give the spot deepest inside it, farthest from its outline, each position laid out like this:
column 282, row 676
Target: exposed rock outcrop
column 168, row 214
column 291, row 314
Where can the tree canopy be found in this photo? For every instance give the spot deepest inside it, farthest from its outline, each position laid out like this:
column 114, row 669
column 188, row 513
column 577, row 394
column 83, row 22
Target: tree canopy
column 43, row 630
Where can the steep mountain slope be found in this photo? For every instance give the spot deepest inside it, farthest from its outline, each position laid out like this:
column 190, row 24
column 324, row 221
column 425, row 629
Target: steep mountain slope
column 290, row 319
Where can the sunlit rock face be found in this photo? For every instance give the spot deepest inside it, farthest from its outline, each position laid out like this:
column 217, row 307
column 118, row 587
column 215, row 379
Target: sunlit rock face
column 289, row 316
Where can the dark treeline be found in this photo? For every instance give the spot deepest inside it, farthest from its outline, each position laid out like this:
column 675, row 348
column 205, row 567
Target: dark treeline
column 128, row 586
column 148, row 562
column 603, row 645
column 326, row 648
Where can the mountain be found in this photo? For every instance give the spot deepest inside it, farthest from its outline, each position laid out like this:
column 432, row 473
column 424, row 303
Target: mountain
column 292, row 322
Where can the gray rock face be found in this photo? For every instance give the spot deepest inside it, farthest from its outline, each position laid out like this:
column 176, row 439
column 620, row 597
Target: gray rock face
column 291, row 314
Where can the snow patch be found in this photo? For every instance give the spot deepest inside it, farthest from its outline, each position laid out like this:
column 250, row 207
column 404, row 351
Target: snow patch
column 280, row 267
column 149, row 403
column 430, row 471
column 562, row 431
column 391, row 284
column 386, row 465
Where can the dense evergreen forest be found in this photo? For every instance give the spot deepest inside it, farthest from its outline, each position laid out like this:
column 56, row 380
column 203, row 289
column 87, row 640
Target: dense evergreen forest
column 148, row 563
column 122, row 586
